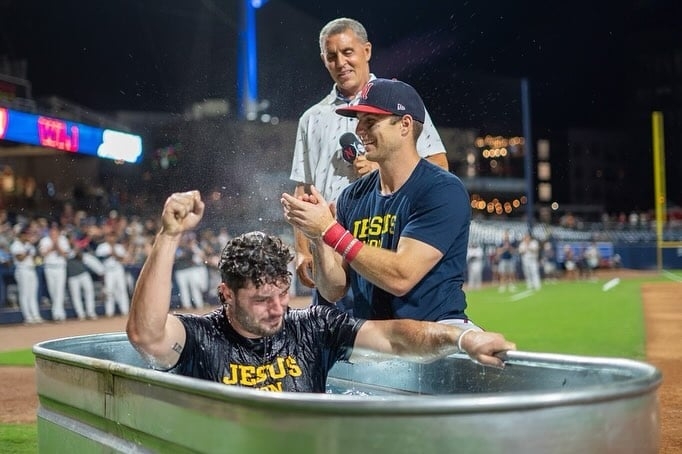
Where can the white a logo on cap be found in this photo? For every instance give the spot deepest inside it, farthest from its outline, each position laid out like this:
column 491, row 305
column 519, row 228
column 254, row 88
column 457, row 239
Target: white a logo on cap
column 400, row 107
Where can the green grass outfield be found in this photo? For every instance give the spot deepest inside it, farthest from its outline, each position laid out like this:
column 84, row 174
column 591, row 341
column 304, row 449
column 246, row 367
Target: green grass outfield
column 581, row 318
column 18, row 438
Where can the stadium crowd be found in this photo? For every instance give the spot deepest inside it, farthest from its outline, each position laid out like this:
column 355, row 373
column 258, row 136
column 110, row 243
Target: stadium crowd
column 79, row 258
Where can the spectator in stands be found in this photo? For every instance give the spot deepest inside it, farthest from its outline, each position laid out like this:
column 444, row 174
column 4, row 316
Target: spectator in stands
column 24, row 253
column 616, row 261
column 548, row 259
column 209, row 243
column 138, row 244
column 568, row 220
column 200, row 258
column 128, row 259
column 592, row 258
column 6, row 238
column 494, row 261
column 113, row 254
column 54, row 248
column 506, row 264
column 529, row 253
column 475, row 260
column 80, row 282
column 223, row 237
column 581, row 263
column 570, row 265
column 67, row 218
column 7, row 235
column 190, row 272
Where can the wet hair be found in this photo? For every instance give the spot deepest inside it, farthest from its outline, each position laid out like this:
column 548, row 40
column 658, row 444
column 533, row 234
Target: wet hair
column 255, row 257
column 340, row 25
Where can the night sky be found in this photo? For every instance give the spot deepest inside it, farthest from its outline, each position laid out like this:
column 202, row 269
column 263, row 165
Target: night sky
column 165, row 54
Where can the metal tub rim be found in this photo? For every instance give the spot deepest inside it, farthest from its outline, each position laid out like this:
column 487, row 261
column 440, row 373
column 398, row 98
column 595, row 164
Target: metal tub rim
column 646, row 378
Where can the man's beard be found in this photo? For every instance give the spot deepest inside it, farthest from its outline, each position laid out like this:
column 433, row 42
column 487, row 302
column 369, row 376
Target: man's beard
column 251, row 325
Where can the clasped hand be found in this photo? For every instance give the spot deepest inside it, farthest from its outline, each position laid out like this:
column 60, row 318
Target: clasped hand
column 309, row 213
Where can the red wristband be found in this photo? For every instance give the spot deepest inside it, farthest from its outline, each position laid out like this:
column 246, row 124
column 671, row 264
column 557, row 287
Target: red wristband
column 333, row 234
column 353, row 249
column 342, row 241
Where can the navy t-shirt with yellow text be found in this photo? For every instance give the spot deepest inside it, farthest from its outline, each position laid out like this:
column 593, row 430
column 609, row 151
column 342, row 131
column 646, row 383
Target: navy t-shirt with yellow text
column 432, row 207
column 298, row 358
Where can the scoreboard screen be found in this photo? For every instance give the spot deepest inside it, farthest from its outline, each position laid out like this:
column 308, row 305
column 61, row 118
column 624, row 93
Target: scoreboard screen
column 69, row 136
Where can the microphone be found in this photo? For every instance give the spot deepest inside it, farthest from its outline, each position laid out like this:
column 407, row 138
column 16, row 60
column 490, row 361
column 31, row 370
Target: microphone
column 351, row 147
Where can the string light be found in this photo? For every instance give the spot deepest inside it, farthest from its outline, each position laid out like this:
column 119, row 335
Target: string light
column 497, row 206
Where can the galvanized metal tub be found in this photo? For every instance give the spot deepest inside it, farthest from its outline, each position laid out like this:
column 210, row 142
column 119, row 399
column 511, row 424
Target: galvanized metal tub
column 97, row 395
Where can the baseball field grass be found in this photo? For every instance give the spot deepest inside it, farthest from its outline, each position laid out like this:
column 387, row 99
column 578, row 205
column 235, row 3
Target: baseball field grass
column 17, row 358
column 597, row 317
column 19, row 438
column 600, row 317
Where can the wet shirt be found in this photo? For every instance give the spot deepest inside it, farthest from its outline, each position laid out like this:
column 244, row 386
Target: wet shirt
column 432, row 207
column 298, row 358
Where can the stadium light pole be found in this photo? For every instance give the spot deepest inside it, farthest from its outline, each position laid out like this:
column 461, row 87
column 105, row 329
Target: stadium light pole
column 247, row 65
column 528, row 153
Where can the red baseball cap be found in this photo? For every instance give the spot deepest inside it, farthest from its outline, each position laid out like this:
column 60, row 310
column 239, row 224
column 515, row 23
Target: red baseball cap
column 387, row 97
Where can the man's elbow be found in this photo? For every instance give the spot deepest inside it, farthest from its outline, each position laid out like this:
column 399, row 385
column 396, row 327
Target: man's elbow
column 400, row 291
column 140, row 337
column 135, row 336
column 150, row 348
column 401, row 287
column 332, row 295
column 331, row 291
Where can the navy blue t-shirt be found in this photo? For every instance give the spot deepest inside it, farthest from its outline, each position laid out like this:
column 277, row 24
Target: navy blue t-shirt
column 432, row 207
column 298, row 358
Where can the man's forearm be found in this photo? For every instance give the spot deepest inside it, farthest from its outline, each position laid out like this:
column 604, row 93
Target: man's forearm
column 151, row 298
column 396, row 272
column 411, row 339
column 399, row 271
column 427, row 341
column 330, row 275
column 301, row 242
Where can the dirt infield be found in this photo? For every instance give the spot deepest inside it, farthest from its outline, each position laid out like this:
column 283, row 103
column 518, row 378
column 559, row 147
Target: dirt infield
column 663, row 321
column 662, row 314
